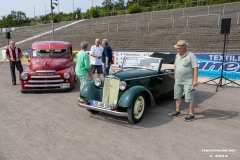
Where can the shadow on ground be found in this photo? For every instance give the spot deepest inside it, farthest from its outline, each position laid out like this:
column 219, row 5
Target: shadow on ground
column 154, row 116
column 217, row 114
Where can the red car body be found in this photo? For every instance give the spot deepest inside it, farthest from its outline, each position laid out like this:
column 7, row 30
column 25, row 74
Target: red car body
column 51, row 68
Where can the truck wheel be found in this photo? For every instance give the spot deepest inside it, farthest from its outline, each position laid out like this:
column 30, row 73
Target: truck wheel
column 136, row 111
column 73, row 85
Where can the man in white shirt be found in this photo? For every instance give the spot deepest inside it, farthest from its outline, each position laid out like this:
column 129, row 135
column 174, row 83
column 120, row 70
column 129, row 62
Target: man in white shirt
column 96, row 58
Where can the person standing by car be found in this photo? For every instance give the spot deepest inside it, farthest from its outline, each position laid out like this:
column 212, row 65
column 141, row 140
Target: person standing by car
column 106, row 57
column 96, row 58
column 186, row 78
column 82, row 68
column 14, row 55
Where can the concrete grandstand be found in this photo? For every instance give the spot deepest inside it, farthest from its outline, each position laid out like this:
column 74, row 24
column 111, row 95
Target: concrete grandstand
column 149, row 31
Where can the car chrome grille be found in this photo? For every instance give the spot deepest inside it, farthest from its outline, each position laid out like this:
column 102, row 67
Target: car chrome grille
column 110, row 90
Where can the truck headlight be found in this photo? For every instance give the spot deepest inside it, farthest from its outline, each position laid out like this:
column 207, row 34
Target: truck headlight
column 122, row 85
column 66, row 75
column 97, row 82
column 24, row 76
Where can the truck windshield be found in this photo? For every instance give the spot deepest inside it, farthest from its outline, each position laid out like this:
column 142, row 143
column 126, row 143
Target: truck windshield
column 55, row 53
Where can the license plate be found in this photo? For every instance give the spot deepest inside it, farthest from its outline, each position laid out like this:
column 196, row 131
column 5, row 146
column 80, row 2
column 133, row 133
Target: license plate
column 99, row 104
column 65, row 85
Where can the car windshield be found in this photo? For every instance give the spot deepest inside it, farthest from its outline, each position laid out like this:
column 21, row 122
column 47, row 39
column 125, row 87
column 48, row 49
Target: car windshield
column 142, row 62
column 56, row 53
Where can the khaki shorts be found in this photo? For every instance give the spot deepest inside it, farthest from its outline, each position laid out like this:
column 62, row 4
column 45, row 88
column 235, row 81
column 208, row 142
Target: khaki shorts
column 180, row 90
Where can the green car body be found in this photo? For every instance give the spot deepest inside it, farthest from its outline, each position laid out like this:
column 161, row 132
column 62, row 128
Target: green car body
column 142, row 87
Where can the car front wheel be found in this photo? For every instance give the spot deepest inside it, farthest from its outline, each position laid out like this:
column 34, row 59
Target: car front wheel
column 136, row 111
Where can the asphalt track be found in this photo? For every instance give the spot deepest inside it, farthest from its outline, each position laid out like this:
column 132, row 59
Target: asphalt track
column 51, row 126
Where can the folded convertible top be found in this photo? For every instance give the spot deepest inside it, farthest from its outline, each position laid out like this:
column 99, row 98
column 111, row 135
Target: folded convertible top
column 167, row 58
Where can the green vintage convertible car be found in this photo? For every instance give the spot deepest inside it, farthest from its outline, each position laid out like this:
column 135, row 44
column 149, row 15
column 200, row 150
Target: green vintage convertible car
column 138, row 84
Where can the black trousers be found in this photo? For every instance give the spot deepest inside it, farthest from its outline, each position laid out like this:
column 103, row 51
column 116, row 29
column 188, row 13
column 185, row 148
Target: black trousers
column 19, row 67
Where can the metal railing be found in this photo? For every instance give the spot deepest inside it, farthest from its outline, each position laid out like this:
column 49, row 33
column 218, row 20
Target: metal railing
column 211, row 19
column 185, row 6
column 4, row 30
column 218, row 19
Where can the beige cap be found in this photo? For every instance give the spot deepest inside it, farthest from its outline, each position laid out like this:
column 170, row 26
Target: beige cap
column 180, row 44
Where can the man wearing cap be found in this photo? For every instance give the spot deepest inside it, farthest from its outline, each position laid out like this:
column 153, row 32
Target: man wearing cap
column 186, row 78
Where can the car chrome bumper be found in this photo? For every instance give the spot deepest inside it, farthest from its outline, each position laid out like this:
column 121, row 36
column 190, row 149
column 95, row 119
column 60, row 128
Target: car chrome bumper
column 108, row 111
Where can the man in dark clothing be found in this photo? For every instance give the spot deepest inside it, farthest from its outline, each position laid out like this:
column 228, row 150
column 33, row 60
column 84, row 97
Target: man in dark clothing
column 106, row 57
column 14, row 55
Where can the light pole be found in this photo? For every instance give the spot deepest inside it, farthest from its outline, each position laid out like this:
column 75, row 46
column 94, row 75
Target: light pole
column 113, row 7
column 34, row 13
column 45, row 13
column 52, row 19
column 73, row 6
column 52, row 7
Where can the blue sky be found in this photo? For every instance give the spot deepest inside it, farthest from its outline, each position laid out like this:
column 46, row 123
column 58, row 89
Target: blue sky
column 27, row 6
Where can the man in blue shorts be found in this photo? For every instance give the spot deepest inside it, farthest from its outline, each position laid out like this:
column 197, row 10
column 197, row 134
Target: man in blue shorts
column 186, row 78
column 106, row 57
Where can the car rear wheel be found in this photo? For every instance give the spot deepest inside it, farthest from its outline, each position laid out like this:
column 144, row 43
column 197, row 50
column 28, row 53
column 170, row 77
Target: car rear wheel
column 136, row 111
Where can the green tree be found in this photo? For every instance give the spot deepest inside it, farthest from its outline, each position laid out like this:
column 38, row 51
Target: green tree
column 94, row 12
column 16, row 18
column 87, row 14
column 107, row 5
column 134, row 8
column 78, row 13
column 119, row 5
column 44, row 19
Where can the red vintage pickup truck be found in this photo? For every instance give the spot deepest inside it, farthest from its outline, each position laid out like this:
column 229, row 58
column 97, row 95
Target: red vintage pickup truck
column 51, row 68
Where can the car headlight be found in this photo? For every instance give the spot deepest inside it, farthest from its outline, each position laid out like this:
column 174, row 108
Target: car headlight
column 97, row 82
column 24, row 76
column 66, row 75
column 122, row 85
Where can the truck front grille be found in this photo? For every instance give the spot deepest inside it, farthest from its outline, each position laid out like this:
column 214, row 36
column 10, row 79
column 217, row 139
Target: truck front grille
column 45, row 79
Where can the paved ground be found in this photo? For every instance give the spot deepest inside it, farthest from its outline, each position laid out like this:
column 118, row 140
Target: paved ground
column 53, row 127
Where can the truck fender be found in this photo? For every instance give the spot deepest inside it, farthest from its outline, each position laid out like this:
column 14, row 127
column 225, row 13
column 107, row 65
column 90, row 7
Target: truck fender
column 91, row 92
column 127, row 98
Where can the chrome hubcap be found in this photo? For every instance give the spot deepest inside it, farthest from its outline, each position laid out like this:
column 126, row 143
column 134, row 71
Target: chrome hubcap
column 139, row 107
